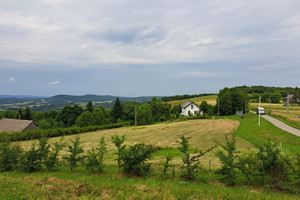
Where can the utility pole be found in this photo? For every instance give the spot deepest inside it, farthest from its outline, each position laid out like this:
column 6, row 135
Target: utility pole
column 259, row 111
column 135, row 115
column 218, row 107
column 245, row 106
column 269, row 105
column 287, row 103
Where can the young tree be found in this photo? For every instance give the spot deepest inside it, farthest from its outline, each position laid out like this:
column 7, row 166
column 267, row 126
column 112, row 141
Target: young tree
column 118, row 141
column 190, row 163
column 227, row 160
column 75, row 151
column 95, row 157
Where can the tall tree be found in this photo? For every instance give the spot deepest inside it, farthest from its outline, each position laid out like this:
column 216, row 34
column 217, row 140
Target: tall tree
column 117, row 110
column 89, row 106
column 27, row 114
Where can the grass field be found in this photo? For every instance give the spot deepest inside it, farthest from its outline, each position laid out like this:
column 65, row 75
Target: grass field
column 279, row 112
column 203, row 133
column 197, row 100
column 81, row 184
column 65, row 185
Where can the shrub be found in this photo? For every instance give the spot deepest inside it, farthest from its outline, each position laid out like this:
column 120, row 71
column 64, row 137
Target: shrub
column 75, row 153
column 95, row 157
column 275, row 161
column 9, row 156
column 31, row 160
column 250, row 166
column 190, row 163
column 134, row 160
column 118, row 141
column 228, row 169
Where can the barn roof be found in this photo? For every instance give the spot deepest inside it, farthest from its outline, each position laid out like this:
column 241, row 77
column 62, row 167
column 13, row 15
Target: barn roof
column 14, row 125
column 187, row 104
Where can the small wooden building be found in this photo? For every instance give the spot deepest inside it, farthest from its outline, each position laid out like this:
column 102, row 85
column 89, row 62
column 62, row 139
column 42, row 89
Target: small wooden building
column 16, row 125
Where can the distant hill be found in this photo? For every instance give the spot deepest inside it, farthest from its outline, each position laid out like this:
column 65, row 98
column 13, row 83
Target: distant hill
column 59, row 101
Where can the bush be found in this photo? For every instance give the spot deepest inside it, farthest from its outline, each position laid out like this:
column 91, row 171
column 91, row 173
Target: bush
column 134, row 160
column 31, row 160
column 9, row 156
column 95, row 157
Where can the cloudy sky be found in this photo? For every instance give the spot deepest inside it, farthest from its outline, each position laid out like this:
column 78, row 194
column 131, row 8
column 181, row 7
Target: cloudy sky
column 157, row 47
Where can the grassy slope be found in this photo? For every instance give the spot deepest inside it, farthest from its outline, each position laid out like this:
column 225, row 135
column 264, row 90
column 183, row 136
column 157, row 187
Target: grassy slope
column 113, row 186
column 251, row 132
column 197, row 100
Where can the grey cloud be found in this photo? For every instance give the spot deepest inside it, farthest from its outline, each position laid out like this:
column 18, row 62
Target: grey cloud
column 129, row 36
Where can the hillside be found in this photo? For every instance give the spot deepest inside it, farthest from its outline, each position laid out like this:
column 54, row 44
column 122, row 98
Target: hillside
column 59, row 101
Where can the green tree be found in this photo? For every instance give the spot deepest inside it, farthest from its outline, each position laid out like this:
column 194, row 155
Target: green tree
column 69, row 115
column 85, row 119
column 296, row 97
column 117, row 110
column 27, row 114
column 89, row 106
column 204, row 106
column 225, row 104
column 98, row 117
column 275, row 97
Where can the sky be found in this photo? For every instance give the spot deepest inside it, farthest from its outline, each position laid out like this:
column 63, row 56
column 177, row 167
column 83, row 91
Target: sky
column 147, row 48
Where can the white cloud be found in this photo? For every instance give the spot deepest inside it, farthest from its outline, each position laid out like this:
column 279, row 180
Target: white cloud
column 12, row 79
column 54, row 83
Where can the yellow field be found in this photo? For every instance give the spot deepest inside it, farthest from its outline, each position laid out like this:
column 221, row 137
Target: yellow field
column 279, row 110
column 197, row 100
column 203, row 133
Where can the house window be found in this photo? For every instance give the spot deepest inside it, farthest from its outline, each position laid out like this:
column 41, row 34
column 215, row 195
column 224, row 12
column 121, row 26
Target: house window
column 192, row 106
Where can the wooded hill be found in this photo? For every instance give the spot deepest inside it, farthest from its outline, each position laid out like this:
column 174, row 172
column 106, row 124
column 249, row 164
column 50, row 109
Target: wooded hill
column 59, row 101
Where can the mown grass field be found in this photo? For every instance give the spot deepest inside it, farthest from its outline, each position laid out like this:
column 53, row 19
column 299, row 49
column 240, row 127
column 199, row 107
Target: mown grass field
column 279, row 111
column 204, row 133
column 62, row 184
column 197, row 100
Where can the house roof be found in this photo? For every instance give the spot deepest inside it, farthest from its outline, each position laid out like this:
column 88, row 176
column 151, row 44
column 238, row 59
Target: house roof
column 14, row 125
column 187, row 104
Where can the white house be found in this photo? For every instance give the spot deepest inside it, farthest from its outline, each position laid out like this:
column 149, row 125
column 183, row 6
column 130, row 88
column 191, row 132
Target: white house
column 190, row 108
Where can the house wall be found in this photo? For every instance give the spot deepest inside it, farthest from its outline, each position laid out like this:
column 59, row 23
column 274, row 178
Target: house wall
column 185, row 112
column 32, row 126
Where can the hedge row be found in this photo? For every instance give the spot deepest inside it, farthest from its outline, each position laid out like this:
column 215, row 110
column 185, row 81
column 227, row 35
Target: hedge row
column 35, row 134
